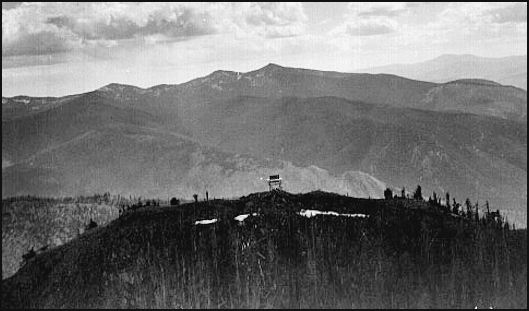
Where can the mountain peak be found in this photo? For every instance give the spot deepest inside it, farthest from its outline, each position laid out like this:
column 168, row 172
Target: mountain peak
column 112, row 87
column 474, row 81
column 271, row 66
column 456, row 57
column 222, row 73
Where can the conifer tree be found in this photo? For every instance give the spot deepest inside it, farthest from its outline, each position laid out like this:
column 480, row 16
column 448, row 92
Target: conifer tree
column 417, row 195
column 469, row 207
column 388, row 194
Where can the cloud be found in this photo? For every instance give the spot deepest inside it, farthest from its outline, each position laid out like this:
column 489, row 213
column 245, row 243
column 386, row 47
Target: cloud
column 481, row 21
column 10, row 5
column 43, row 42
column 372, row 18
column 129, row 21
column 275, row 19
column 469, row 26
column 389, row 9
column 427, row 30
column 370, row 27
column 516, row 13
column 23, row 34
column 47, row 28
column 483, row 14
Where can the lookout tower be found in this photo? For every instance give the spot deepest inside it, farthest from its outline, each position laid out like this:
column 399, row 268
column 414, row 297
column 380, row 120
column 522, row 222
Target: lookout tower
column 274, row 182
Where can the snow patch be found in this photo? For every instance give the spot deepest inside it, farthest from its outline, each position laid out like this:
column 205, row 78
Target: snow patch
column 206, row 221
column 310, row 213
column 355, row 215
column 244, row 216
column 24, row 101
column 6, row 163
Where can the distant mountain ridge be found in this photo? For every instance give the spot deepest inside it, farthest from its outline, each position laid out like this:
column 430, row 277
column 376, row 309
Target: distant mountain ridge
column 336, row 131
column 276, row 81
column 510, row 70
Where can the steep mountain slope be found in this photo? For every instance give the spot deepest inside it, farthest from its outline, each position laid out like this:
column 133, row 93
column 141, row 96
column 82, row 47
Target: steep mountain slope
column 28, row 134
column 477, row 97
column 31, row 222
column 464, row 154
column 122, row 138
column 506, row 70
column 14, row 107
column 227, row 145
column 141, row 161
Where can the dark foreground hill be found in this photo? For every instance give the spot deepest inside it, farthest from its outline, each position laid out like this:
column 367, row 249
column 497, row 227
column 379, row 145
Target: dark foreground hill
column 263, row 251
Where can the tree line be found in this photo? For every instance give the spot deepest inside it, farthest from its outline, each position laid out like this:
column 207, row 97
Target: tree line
column 468, row 210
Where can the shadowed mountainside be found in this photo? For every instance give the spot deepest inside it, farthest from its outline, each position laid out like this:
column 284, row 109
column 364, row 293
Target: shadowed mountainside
column 317, row 128
column 142, row 161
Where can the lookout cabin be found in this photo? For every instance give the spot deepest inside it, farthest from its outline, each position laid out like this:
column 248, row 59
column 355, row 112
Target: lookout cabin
column 274, row 182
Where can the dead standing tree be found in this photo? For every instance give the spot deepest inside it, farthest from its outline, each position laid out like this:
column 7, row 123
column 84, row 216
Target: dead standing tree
column 417, row 195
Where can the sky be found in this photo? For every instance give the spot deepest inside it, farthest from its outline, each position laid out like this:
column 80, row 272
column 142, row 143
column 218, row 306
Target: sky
column 56, row 49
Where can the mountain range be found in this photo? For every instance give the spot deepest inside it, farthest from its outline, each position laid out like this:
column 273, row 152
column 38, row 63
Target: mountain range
column 341, row 132
column 511, row 70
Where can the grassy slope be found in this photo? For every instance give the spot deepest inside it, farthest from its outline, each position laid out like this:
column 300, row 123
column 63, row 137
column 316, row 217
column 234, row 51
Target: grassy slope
column 36, row 223
column 405, row 254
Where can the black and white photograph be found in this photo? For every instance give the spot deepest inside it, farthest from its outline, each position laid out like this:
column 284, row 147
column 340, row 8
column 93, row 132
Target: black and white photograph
column 264, row 155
